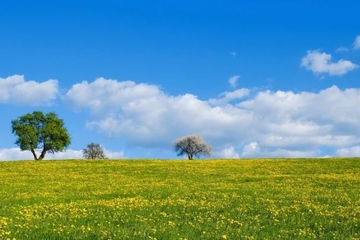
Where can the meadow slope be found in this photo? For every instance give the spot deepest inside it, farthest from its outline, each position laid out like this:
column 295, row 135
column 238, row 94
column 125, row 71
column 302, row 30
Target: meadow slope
column 178, row 199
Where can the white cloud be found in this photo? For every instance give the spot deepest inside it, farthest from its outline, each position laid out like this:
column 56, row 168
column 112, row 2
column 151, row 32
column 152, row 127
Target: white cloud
column 357, row 43
column 228, row 152
column 329, row 106
column 226, row 97
column 234, row 80
column 17, row 154
column 349, row 152
column 16, row 90
column 68, row 154
column 281, row 123
column 342, row 49
column 253, row 150
column 103, row 93
column 278, row 140
column 250, row 150
column 11, row 154
column 286, row 153
column 320, row 63
column 114, row 155
column 78, row 154
column 14, row 154
column 144, row 115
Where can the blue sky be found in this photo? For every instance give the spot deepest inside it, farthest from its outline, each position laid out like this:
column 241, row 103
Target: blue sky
column 254, row 78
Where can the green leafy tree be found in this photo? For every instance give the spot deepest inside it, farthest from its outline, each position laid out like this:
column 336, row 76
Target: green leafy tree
column 40, row 131
column 192, row 145
column 93, row 151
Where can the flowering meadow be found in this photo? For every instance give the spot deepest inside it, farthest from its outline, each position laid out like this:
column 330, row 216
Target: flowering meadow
column 178, row 199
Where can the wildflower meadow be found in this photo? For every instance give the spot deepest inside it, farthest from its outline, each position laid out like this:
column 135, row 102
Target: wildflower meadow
column 178, row 199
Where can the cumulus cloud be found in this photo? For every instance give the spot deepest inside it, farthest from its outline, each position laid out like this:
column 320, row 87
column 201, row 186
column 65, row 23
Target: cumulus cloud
column 114, row 155
column 103, row 93
column 349, row 152
column 78, row 154
column 15, row 89
column 228, row 152
column 234, row 80
column 227, row 97
column 14, row 154
column 11, row 154
column 146, row 116
column 288, row 153
column 357, row 43
column 280, row 123
column 328, row 106
column 251, row 150
column 320, row 63
column 68, row 154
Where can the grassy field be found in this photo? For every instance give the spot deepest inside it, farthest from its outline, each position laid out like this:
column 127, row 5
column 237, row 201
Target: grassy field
column 153, row 199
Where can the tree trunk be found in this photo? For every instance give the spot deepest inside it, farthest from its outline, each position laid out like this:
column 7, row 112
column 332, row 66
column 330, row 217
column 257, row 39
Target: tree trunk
column 34, row 154
column 42, row 155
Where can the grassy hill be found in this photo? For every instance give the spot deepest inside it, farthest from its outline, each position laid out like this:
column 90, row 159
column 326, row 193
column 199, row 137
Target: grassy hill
column 208, row 199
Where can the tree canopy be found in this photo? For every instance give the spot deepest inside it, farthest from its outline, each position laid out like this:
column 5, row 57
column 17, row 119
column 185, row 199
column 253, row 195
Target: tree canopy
column 40, row 131
column 192, row 145
column 94, row 151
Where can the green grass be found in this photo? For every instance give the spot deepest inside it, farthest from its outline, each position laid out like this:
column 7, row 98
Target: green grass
column 153, row 199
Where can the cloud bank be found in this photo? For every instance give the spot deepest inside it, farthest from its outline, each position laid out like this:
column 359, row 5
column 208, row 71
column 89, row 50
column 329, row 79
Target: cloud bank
column 17, row 154
column 268, row 123
column 240, row 123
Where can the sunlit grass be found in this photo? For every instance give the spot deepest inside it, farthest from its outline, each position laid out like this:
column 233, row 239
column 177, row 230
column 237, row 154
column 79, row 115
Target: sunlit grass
column 153, row 199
